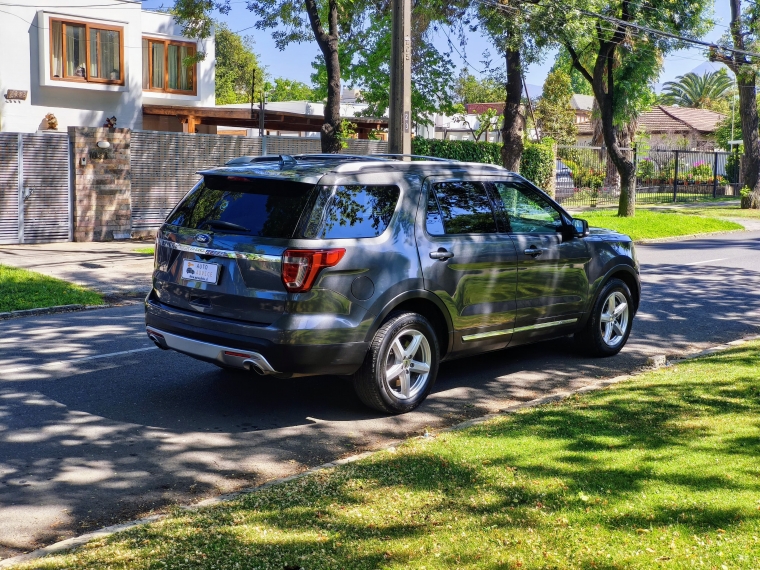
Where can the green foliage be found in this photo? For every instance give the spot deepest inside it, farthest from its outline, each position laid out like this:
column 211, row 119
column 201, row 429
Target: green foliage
column 701, row 170
column 465, row 151
column 291, row 90
column 347, row 131
column 646, row 169
column 712, row 90
column 586, row 177
column 367, row 67
column 726, row 131
column 235, row 65
column 470, row 89
column 538, row 162
column 733, row 163
column 564, row 64
column 555, row 117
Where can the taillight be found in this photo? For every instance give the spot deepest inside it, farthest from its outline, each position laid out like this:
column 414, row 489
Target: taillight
column 300, row 267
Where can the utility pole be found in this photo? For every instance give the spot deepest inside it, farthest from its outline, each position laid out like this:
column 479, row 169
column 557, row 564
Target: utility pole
column 400, row 111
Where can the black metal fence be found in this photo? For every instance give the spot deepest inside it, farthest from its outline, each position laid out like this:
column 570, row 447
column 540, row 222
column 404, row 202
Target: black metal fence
column 586, row 176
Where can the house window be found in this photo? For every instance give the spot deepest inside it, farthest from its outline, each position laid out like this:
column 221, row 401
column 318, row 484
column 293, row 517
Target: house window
column 80, row 51
column 164, row 66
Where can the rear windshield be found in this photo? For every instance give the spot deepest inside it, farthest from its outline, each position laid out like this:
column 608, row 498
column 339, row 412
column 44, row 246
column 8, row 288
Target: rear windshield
column 247, row 206
column 273, row 209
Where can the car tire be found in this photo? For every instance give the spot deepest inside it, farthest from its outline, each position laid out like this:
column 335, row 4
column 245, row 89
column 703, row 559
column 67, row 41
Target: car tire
column 387, row 380
column 610, row 322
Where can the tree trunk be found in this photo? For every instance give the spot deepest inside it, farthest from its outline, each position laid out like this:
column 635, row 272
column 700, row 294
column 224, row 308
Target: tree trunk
column 330, row 134
column 745, row 80
column 512, row 127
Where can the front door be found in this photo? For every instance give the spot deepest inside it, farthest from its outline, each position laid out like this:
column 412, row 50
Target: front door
column 552, row 282
column 468, row 262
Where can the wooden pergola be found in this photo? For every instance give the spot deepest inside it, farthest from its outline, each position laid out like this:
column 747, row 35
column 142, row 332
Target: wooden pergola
column 190, row 117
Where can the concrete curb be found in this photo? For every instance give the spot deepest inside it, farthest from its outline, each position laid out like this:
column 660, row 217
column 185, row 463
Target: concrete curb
column 81, row 540
column 57, row 309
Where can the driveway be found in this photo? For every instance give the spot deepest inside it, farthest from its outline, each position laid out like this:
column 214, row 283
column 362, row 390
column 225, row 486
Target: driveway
column 98, row 426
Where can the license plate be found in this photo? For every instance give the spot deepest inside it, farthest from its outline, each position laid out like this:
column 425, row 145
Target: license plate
column 196, row 271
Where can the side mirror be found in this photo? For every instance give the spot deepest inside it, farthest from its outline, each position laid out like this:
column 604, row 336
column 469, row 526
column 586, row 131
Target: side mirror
column 580, row 227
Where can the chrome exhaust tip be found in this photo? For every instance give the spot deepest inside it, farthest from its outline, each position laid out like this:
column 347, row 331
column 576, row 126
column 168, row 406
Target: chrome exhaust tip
column 253, row 366
column 158, row 340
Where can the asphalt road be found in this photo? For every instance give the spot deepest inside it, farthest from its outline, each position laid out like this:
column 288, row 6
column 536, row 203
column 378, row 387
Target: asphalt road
column 97, row 426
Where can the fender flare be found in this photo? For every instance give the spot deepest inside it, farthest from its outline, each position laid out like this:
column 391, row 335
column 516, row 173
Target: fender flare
column 599, row 283
column 410, row 296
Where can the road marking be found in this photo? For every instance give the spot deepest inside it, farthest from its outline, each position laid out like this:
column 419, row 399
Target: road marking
column 60, row 363
column 705, row 261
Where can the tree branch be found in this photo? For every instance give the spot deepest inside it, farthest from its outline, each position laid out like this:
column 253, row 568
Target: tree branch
column 577, row 62
column 316, row 24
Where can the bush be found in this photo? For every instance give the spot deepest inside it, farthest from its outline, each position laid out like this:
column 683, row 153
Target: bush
column 466, row 151
column 732, row 166
column 646, row 169
column 538, row 162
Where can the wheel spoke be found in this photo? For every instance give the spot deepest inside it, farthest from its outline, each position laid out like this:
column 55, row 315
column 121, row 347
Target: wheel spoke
column 620, row 308
column 607, row 333
column 398, row 350
column 617, row 329
column 611, row 304
column 405, row 383
column 414, row 345
column 394, row 371
column 606, row 317
column 419, row 367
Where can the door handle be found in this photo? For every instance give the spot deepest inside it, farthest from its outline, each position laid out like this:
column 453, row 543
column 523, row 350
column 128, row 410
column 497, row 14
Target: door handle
column 534, row 251
column 441, row 255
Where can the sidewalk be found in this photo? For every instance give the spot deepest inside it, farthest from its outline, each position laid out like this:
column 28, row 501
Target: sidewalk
column 111, row 268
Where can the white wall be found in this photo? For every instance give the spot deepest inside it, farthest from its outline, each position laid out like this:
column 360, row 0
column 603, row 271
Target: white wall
column 25, row 35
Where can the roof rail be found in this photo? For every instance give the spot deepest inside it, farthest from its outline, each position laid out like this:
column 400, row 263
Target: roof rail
column 337, row 157
column 399, row 156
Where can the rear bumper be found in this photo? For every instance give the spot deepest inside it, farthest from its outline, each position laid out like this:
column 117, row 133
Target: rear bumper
column 207, row 338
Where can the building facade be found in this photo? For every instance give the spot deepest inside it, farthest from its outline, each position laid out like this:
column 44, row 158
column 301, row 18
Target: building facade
column 83, row 62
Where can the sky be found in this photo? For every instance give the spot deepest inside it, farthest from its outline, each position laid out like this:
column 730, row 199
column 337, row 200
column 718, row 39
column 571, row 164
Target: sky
column 295, row 61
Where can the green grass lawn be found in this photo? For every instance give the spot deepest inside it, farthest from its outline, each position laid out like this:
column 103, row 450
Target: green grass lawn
column 145, row 250
column 22, row 289
column 649, row 224
column 658, row 472
column 729, row 212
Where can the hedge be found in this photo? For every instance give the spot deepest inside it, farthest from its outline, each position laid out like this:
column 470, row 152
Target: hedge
column 465, row 151
column 538, row 163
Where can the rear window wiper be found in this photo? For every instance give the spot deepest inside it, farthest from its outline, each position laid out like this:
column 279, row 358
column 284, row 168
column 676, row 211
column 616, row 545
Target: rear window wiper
column 222, row 225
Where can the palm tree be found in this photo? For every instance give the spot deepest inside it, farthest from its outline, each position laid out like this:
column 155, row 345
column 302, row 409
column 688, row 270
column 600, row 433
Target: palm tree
column 698, row 92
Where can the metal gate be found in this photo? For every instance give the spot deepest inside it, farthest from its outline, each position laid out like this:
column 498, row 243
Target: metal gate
column 35, row 188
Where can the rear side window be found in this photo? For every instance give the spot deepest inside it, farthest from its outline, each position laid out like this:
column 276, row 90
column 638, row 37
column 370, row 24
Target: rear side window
column 247, row 206
column 464, row 208
column 351, row 211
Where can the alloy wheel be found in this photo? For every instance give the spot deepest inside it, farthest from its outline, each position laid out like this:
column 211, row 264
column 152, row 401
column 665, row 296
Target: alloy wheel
column 408, row 364
column 614, row 319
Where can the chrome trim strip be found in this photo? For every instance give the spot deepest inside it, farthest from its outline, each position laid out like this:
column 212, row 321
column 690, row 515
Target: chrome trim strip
column 212, row 351
column 478, row 336
column 220, row 252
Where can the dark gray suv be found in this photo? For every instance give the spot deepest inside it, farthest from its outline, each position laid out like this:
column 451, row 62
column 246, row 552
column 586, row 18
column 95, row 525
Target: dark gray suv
column 380, row 269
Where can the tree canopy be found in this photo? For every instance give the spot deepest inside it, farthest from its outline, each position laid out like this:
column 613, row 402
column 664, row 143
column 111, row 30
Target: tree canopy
column 555, row 117
column 469, row 89
column 291, row 90
column 235, row 66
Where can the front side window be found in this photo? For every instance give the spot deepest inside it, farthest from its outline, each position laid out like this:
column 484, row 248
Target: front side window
column 527, row 211
column 80, row 51
column 165, row 66
column 463, row 207
column 354, row 211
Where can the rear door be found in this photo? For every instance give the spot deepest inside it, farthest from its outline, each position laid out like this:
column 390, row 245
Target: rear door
column 467, row 262
column 552, row 283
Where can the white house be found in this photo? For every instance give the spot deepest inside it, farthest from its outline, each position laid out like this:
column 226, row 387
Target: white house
column 85, row 61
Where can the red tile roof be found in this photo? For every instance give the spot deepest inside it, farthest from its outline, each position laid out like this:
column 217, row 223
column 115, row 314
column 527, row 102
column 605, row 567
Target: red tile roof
column 664, row 119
